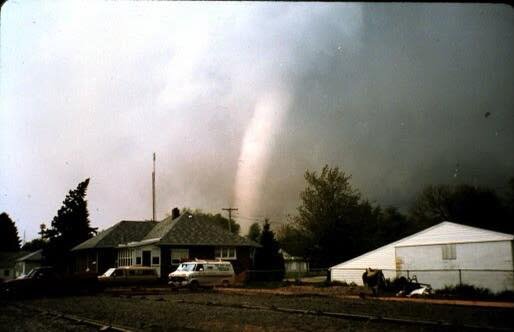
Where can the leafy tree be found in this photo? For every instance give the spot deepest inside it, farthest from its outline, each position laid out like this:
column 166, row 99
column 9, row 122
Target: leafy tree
column 268, row 258
column 217, row 219
column 293, row 240
column 254, row 232
column 34, row 245
column 68, row 228
column 331, row 217
column 509, row 203
column 389, row 225
column 9, row 240
column 465, row 204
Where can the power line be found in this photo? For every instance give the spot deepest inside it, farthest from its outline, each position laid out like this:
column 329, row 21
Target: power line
column 261, row 220
column 229, row 209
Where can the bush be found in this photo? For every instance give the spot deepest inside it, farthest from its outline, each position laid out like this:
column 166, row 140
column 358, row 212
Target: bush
column 506, row 295
column 465, row 291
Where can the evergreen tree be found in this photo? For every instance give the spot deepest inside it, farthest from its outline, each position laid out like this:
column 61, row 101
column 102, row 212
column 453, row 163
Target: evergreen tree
column 254, row 232
column 69, row 228
column 268, row 258
column 34, row 245
column 9, row 240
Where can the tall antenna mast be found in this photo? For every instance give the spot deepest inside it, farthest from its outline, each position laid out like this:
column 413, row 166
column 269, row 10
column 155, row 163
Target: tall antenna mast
column 153, row 189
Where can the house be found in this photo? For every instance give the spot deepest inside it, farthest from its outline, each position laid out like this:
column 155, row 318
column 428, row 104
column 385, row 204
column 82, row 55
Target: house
column 163, row 245
column 294, row 265
column 446, row 254
column 28, row 262
column 7, row 264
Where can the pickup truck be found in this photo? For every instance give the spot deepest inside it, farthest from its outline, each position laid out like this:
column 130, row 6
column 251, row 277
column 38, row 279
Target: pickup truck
column 45, row 281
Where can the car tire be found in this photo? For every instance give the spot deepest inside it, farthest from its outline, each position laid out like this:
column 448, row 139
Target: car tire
column 194, row 285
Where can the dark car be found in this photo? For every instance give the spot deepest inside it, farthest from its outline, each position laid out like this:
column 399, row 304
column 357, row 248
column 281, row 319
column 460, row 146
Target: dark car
column 45, row 281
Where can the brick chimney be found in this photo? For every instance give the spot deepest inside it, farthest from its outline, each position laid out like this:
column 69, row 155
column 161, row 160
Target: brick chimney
column 175, row 213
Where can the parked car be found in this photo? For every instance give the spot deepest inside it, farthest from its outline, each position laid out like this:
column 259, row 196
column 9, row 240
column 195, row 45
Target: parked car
column 202, row 273
column 45, row 281
column 129, row 275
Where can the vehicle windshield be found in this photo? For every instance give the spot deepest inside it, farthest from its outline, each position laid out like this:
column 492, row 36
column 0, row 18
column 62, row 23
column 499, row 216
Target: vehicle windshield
column 32, row 273
column 186, row 267
column 109, row 272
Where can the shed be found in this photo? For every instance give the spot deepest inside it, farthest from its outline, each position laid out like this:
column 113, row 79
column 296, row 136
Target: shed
column 7, row 264
column 28, row 262
column 294, row 265
column 446, row 254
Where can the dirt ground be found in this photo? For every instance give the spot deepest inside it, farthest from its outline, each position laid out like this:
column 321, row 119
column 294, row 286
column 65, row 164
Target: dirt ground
column 17, row 320
column 360, row 292
column 222, row 311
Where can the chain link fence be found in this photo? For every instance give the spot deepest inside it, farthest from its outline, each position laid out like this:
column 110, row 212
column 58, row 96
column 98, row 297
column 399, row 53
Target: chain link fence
column 494, row 280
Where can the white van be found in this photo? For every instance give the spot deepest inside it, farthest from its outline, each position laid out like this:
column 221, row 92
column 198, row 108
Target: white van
column 202, row 273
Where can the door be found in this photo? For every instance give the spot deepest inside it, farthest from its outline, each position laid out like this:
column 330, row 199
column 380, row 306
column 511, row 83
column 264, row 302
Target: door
column 147, row 257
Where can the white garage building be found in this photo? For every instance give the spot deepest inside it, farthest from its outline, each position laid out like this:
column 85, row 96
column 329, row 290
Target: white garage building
column 444, row 254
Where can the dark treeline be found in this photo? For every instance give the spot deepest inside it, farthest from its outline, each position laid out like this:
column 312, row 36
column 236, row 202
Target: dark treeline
column 335, row 223
column 68, row 228
column 9, row 239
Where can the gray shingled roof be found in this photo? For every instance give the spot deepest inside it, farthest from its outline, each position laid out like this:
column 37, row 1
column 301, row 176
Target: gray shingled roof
column 123, row 232
column 184, row 230
column 35, row 256
column 193, row 230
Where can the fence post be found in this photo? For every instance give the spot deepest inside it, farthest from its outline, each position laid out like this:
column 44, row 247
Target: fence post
column 460, row 277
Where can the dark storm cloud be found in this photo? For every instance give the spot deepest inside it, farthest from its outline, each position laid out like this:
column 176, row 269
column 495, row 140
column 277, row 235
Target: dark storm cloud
column 409, row 107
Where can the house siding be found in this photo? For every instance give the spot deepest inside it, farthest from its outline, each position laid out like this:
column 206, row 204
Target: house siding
column 104, row 259
column 351, row 271
column 482, row 264
column 476, row 248
column 23, row 268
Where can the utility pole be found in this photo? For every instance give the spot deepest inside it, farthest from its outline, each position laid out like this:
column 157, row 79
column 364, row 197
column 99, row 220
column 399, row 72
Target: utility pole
column 153, row 189
column 229, row 209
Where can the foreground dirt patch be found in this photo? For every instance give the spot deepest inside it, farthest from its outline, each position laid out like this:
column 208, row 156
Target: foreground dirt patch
column 360, row 292
column 257, row 310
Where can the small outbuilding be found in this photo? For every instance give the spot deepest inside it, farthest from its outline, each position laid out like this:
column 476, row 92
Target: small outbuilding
column 28, row 262
column 446, row 254
column 8, row 263
column 294, row 265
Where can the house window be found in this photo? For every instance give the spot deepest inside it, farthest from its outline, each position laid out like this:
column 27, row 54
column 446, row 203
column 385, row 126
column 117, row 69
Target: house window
column 225, row 253
column 155, row 260
column 124, row 257
column 449, row 251
column 138, row 260
column 6, row 273
column 179, row 255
